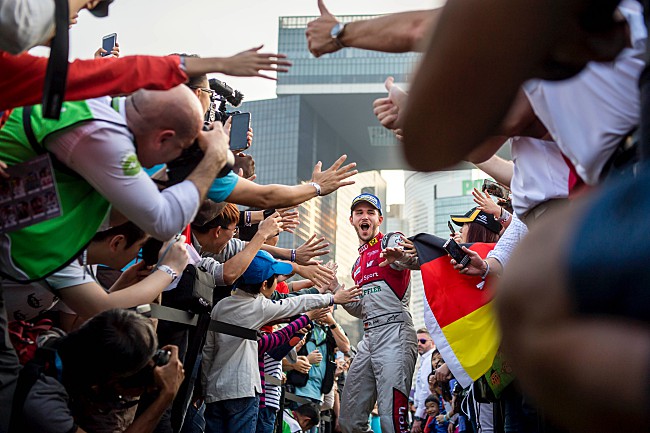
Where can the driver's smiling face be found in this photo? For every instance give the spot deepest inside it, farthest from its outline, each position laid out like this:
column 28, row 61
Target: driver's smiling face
column 366, row 220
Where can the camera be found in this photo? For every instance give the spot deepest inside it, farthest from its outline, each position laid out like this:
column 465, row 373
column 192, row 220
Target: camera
column 150, row 251
column 181, row 167
column 144, row 377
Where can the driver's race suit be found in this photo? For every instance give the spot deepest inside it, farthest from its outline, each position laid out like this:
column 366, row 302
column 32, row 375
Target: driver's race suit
column 382, row 369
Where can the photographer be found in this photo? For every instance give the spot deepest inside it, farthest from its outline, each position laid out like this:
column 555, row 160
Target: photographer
column 97, row 166
column 110, row 357
column 235, row 189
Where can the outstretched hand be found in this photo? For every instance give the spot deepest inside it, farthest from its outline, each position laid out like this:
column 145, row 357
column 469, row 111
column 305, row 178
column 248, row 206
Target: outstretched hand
column 313, row 247
column 486, row 204
column 249, row 63
column 334, row 177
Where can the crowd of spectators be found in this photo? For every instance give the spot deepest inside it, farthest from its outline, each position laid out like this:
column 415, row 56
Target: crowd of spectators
column 147, row 292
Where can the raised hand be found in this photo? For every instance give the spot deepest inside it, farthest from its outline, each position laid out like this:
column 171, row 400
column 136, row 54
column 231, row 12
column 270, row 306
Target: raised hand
column 313, row 247
column 334, row 177
column 319, row 40
column 486, row 204
column 249, row 63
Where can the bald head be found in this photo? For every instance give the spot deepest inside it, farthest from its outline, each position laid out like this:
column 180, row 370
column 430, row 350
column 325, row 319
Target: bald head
column 176, row 109
column 163, row 122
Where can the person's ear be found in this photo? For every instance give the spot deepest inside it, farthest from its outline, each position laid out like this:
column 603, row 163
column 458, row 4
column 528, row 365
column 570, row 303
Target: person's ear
column 351, row 220
column 381, row 219
column 116, row 242
column 164, row 136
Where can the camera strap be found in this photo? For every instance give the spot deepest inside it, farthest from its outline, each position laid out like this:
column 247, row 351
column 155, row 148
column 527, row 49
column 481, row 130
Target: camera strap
column 172, row 315
column 56, row 74
column 233, row 330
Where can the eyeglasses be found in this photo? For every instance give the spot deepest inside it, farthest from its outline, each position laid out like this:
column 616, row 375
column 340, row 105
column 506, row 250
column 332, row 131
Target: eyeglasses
column 423, row 340
column 203, row 89
column 234, row 231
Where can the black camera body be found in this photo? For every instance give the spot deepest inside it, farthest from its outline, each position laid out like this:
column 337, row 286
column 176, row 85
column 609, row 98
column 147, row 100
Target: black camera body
column 144, row 377
column 181, row 167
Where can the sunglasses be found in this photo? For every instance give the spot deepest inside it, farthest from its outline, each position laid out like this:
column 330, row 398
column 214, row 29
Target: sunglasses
column 423, row 340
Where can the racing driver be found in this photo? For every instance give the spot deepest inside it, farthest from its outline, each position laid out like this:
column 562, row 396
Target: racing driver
column 383, row 367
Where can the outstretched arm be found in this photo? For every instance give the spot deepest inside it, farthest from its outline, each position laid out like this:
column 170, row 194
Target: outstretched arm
column 248, row 193
column 394, row 33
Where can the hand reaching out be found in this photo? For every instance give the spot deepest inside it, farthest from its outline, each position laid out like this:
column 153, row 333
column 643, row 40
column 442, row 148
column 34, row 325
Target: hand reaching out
column 486, row 204
column 313, row 247
column 290, row 220
column 334, row 177
column 249, row 63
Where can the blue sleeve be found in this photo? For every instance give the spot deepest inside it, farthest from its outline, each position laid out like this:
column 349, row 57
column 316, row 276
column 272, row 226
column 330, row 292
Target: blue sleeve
column 222, row 187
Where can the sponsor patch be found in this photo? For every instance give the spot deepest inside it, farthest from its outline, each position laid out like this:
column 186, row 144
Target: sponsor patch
column 370, row 290
column 131, row 165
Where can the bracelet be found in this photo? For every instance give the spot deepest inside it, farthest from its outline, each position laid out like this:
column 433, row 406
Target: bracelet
column 505, row 216
column 247, row 218
column 293, row 255
column 317, row 186
column 487, row 270
column 332, row 300
column 166, row 269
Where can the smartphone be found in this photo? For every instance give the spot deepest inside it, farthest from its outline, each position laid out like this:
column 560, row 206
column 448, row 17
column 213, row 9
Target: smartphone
column 241, row 122
column 495, row 189
column 451, row 228
column 108, row 42
column 456, row 252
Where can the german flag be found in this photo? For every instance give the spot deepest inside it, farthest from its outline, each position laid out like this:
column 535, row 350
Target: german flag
column 458, row 314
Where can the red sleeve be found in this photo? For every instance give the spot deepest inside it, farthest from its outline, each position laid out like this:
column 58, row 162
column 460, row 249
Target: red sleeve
column 22, row 77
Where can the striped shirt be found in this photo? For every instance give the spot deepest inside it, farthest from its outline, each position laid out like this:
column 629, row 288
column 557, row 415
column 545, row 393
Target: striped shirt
column 273, row 340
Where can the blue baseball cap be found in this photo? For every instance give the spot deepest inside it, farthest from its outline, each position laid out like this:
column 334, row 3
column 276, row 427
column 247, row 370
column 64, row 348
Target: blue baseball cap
column 371, row 199
column 262, row 268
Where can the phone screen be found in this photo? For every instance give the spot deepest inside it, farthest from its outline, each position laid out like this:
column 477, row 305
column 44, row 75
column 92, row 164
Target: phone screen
column 108, row 42
column 239, row 130
column 455, row 251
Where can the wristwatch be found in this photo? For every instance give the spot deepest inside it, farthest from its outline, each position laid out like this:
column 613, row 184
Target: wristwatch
column 333, row 326
column 336, row 33
column 166, row 269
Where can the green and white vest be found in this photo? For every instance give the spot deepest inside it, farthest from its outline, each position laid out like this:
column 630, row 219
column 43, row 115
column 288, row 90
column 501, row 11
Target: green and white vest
column 36, row 251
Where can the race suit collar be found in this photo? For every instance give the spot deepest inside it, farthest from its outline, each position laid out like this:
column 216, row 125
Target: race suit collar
column 371, row 242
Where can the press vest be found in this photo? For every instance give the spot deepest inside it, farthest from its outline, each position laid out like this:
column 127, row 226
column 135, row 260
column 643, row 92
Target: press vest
column 39, row 250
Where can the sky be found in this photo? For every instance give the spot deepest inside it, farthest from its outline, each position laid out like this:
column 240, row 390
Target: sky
column 211, row 28
column 215, row 28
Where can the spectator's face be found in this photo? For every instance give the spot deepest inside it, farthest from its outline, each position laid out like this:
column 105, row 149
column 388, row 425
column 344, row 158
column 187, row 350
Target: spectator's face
column 120, row 254
column 463, row 232
column 366, row 221
column 432, row 408
column 222, row 235
column 424, row 343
